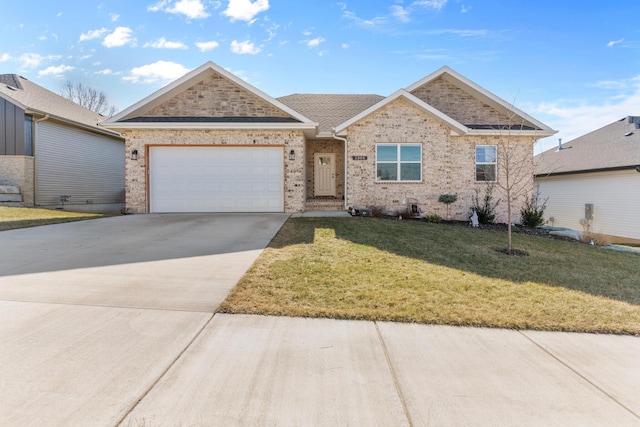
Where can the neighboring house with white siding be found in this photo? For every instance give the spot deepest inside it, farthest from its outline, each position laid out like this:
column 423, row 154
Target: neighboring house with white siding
column 593, row 182
column 53, row 149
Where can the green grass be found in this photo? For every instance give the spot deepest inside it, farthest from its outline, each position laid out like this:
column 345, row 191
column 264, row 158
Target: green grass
column 409, row 271
column 12, row 218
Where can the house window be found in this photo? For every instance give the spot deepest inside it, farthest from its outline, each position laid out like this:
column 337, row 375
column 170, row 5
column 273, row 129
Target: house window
column 398, row 162
column 28, row 135
column 486, row 163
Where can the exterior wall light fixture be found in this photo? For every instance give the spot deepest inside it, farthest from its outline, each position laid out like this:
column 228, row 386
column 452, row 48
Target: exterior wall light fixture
column 134, row 155
column 292, row 155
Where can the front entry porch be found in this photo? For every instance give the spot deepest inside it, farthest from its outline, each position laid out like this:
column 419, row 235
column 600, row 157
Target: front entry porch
column 325, row 175
column 324, row 204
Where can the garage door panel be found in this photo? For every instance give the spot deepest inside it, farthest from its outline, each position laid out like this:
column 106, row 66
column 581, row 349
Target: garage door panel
column 216, row 179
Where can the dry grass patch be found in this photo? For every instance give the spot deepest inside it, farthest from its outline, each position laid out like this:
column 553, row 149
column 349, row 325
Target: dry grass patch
column 12, row 218
column 365, row 268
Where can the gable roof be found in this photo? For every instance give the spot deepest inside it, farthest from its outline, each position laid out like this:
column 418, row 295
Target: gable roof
column 35, row 99
column 530, row 125
column 130, row 117
column 615, row 146
column 329, row 110
column 455, row 127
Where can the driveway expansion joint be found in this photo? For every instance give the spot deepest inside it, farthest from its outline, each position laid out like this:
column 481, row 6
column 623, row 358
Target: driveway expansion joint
column 394, row 376
column 576, row 372
column 164, row 372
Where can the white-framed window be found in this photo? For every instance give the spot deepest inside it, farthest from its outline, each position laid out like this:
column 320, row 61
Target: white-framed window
column 399, row 162
column 486, row 163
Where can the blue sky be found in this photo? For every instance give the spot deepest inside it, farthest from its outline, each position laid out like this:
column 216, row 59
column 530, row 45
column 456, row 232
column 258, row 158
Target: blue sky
column 575, row 65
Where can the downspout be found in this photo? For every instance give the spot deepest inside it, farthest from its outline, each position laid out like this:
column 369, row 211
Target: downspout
column 35, row 175
column 344, row 140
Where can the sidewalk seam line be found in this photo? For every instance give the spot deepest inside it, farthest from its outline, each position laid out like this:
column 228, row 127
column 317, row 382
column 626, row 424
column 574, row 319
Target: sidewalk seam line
column 575, row 371
column 164, row 372
column 396, row 384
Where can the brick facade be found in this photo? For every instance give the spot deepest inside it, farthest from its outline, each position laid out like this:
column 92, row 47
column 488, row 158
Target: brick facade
column 18, row 170
column 448, row 162
column 458, row 104
column 215, row 96
column 136, row 178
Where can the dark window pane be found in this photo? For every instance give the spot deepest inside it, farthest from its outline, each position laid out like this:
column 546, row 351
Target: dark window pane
column 410, row 172
column 387, row 172
column 485, row 172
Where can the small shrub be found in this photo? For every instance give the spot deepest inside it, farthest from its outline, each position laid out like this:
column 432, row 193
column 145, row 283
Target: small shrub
column 377, row 211
column 447, row 199
column 432, row 218
column 532, row 213
column 486, row 207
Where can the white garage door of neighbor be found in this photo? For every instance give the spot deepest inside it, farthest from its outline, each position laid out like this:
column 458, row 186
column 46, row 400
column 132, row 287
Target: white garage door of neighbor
column 216, row 179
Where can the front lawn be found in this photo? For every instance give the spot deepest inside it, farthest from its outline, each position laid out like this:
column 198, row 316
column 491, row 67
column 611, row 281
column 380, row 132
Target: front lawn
column 12, row 218
column 410, row 271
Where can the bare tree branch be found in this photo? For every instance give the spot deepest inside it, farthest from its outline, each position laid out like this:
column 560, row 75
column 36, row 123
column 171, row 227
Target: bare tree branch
column 88, row 97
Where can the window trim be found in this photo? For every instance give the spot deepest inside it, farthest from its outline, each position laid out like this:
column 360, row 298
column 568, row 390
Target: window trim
column 494, row 163
column 399, row 162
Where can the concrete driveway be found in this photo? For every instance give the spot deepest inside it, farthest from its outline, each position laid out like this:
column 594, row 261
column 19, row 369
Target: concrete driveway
column 92, row 313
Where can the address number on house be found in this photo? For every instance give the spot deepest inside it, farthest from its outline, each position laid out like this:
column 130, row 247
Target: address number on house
column 358, row 157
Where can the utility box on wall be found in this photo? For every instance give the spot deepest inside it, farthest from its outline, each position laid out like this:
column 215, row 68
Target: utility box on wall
column 588, row 211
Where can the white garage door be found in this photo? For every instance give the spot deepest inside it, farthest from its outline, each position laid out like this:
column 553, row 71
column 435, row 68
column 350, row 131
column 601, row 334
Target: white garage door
column 216, row 179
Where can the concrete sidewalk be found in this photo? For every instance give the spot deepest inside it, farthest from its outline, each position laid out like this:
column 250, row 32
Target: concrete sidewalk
column 254, row 370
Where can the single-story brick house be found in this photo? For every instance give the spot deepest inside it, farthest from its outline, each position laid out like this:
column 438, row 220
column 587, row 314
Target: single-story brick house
column 52, row 152
column 593, row 182
column 211, row 142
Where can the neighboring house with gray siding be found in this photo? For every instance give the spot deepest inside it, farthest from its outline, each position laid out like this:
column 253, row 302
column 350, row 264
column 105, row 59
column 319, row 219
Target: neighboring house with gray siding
column 593, row 182
column 211, row 142
column 52, row 148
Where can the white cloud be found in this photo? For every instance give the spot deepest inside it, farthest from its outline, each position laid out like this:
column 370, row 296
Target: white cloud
column 434, row 4
column 119, row 37
column 245, row 10
column 245, row 47
column 114, row 17
column 30, row 60
column 158, row 72
column 346, row 45
column 574, row 119
column 5, row 57
column 315, row 42
column 93, row 34
column 163, row 43
column 192, row 9
column 105, row 72
column 465, row 9
column 614, row 42
column 400, row 13
column 367, row 23
column 55, row 71
column 207, row 46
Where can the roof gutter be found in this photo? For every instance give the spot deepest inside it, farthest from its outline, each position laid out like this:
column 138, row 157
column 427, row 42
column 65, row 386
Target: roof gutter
column 339, row 138
column 579, row 172
column 94, row 129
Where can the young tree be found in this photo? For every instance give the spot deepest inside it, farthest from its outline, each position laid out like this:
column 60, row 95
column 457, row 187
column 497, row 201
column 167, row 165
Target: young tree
column 88, row 97
column 515, row 162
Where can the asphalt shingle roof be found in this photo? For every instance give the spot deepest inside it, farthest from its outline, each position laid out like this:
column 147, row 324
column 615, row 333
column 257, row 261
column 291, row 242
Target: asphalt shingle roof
column 616, row 145
column 329, row 110
column 35, row 97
